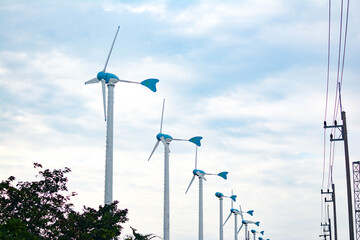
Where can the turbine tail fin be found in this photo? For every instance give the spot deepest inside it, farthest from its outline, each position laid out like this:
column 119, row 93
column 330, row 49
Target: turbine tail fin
column 223, row 175
column 196, row 140
column 150, row 83
column 250, row 212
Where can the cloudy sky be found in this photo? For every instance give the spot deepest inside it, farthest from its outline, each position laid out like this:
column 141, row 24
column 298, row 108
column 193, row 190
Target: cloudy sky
column 249, row 76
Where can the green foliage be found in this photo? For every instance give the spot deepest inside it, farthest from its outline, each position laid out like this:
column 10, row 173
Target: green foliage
column 40, row 210
column 138, row 236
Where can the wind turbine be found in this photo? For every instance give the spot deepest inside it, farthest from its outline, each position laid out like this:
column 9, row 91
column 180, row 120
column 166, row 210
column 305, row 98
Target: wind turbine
column 246, row 222
column 109, row 80
column 250, row 212
column 221, row 197
column 254, row 233
column 166, row 139
column 201, row 175
column 234, row 212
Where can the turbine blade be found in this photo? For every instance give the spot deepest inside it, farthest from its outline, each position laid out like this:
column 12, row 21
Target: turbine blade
column 223, row 175
column 162, row 116
column 241, row 213
column 196, row 157
column 107, row 60
column 156, row 145
column 242, row 224
column 150, row 83
column 227, row 219
column 165, row 144
column 190, row 184
column 104, row 96
column 94, row 80
column 196, row 140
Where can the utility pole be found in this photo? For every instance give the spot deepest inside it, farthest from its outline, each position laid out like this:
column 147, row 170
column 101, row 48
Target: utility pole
column 343, row 137
column 332, row 199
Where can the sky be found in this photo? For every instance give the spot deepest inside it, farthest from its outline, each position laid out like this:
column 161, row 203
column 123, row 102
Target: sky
column 247, row 76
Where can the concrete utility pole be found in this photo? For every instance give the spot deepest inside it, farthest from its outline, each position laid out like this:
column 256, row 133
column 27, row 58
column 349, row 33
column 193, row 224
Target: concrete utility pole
column 333, row 200
column 343, row 137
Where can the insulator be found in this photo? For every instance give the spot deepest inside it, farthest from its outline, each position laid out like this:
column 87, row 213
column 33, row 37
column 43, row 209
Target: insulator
column 335, row 122
column 331, row 136
column 324, row 123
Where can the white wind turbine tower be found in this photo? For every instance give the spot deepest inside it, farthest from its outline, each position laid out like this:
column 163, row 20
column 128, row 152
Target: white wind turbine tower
column 109, row 80
column 221, row 197
column 166, row 139
column 201, row 175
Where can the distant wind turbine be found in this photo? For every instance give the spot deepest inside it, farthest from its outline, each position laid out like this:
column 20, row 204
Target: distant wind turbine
column 166, row 139
column 235, row 213
column 221, row 225
column 250, row 212
column 246, row 223
column 254, row 233
column 201, row 175
column 110, row 80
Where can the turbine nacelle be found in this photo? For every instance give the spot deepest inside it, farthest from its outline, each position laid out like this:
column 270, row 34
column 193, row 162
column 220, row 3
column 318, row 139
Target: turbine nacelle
column 201, row 173
column 235, row 211
column 107, row 77
column 254, row 231
column 166, row 137
column 250, row 222
column 198, row 172
column 221, row 196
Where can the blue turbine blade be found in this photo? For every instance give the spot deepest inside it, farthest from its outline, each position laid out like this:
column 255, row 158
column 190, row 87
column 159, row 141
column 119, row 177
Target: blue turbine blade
column 150, row 83
column 196, row 141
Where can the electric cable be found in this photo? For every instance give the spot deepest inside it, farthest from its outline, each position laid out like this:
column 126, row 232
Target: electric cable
column 327, row 92
column 339, row 56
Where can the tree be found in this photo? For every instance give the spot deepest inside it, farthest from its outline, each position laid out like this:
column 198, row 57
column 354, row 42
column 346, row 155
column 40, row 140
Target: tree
column 138, row 236
column 40, row 210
